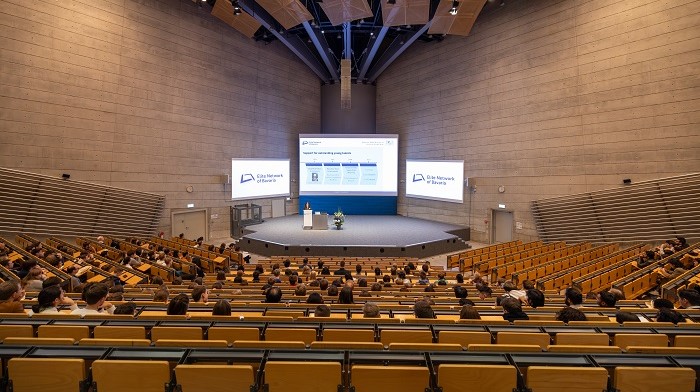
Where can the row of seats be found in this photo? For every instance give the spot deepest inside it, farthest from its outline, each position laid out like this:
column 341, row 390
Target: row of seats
column 460, row 339
column 335, row 374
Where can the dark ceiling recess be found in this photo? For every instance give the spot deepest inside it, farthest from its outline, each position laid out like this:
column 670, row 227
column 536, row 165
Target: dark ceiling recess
column 367, row 42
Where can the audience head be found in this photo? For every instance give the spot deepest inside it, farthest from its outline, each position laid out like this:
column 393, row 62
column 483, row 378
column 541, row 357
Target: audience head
column 511, row 305
column 660, row 303
column 96, row 293
column 322, row 311
column 670, row 315
column 460, row 278
column 484, row 291
column 200, row 294
column 568, row 314
column 125, row 308
column 528, row 285
column 323, row 284
column 422, row 309
column 314, row 298
column 370, row 309
column 178, row 305
column 469, row 312
column 535, row 298
column 607, row 299
column 376, row 286
column 300, row 290
column 621, row 317
column 333, row 290
column 10, row 291
column 273, row 295
column 688, row 298
column 346, row 296
column 47, row 298
column 161, row 296
column 460, row 292
column 573, row 297
column 221, row 308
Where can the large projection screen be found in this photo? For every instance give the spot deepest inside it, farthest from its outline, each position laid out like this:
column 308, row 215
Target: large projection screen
column 352, row 165
column 259, row 178
column 435, row 180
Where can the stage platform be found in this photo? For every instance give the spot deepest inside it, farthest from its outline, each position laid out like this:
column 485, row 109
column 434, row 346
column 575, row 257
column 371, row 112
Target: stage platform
column 360, row 236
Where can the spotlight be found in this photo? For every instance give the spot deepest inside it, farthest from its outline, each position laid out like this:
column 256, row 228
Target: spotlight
column 65, row 176
column 455, row 5
column 236, row 7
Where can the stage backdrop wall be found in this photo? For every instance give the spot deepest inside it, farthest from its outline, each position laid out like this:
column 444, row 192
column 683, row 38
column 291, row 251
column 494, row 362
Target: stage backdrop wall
column 351, row 205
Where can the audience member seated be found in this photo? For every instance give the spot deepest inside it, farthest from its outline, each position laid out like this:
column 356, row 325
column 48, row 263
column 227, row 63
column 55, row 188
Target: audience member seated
column 200, row 294
column 469, row 312
column 660, row 303
column 322, row 311
column 670, row 315
column 689, row 299
column 346, row 296
column 49, row 299
column 484, row 291
column 606, row 299
column 126, row 308
column 370, row 310
column 178, row 305
column 34, row 279
column 95, row 295
column 512, row 310
column 11, row 295
column 534, row 298
column 568, row 313
column 221, row 308
column 573, row 298
column 622, row 317
column 161, row 296
column 422, row 309
column 273, row 295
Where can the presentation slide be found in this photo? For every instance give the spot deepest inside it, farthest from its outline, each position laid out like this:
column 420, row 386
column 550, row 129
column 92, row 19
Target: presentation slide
column 360, row 165
column 435, row 180
column 258, row 178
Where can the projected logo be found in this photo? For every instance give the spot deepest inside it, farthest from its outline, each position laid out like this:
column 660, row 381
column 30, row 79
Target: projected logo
column 418, row 177
column 246, row 178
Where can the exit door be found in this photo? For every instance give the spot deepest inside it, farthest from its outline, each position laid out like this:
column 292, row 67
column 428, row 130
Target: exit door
column 191, row 223
column 502, row 228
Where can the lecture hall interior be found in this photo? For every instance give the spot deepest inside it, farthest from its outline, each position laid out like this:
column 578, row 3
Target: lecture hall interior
column 565, row 254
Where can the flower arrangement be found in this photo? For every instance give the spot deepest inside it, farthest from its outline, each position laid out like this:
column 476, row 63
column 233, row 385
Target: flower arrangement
column 338, row 218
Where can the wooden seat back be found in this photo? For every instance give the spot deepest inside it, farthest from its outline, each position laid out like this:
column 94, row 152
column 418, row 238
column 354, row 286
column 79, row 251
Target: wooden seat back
column 405, row 336
column 114, row 342
column 17, row 331
column 46, row 374
column 283, row 376
column 573, row 379
column 340, row 345
column 122, row 375
column 231, row 334
column 640, row 339
column 582, row 339
column 365, row 378
column 187, row 333
column 117, row 332
column 657, row 379
column 464, row 338
column 348, row 335
column 75, row 332
column 214, row 378
column 488, row 378
column 306, row 335
column 541, row 339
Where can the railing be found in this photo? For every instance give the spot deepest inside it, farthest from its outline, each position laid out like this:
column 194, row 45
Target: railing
column 40, row 204
column 646, row 211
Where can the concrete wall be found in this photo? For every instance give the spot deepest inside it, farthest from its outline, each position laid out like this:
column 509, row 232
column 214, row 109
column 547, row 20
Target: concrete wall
column 548, row 98
column 149, row 95
column 360, row 118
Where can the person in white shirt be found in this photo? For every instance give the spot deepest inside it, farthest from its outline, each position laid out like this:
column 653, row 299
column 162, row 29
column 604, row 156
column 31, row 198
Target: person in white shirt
column 49, row 299
column 96, row 297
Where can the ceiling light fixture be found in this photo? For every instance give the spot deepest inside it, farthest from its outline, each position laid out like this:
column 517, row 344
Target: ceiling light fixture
column 455, row 5
column 236, row 7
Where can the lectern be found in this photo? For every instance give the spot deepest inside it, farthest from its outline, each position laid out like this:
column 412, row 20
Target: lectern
column 308, row 219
